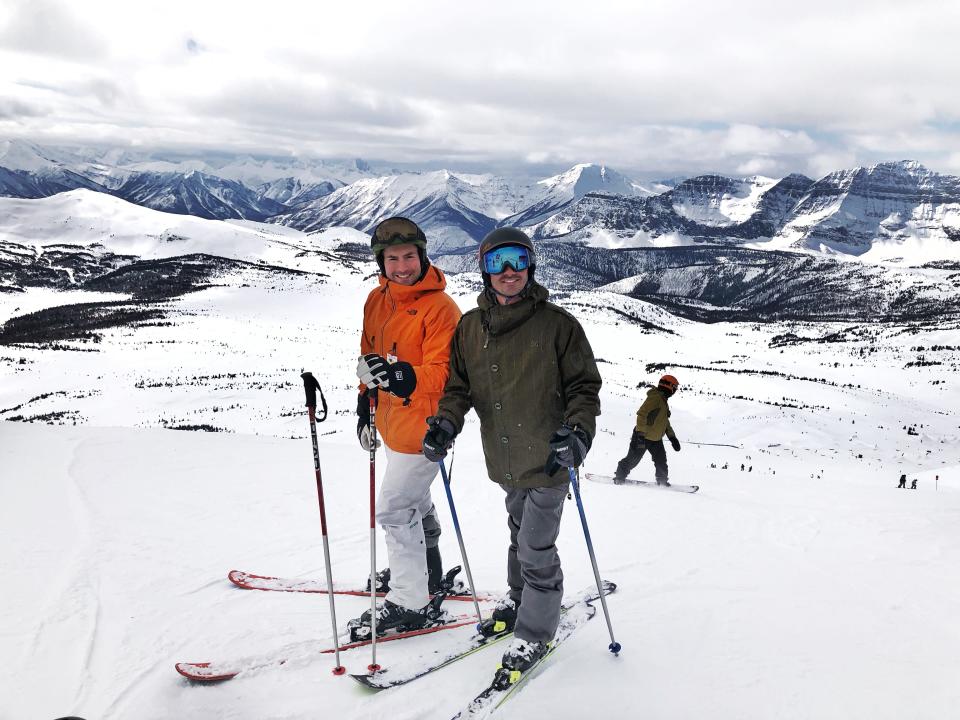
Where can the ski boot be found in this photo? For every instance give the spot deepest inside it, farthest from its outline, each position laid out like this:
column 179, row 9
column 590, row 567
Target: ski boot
column 391, row 616
column 449, row 585
column 383, row 581
column 663, row 483
column 519, row 657
column 434, row 569
column 619, row 479
column 502, row 620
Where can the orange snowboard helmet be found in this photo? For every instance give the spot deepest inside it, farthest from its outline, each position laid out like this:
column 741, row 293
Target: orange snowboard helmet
column 668, row 383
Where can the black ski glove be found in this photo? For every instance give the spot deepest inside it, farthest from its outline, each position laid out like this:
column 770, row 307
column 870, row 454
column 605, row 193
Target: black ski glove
column 363, row 420
column 675, row 444
column 568, row 448
column 363, row 410
column 439, row 438
column 403, row 380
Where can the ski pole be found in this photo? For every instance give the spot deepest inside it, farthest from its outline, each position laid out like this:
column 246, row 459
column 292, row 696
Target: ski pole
column 372, row 394
column 614, row 646
column 311, row 387
column 456, row 526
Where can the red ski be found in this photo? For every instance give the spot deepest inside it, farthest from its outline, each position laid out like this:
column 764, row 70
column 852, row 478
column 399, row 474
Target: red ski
column 297, row 652
column 250, row 581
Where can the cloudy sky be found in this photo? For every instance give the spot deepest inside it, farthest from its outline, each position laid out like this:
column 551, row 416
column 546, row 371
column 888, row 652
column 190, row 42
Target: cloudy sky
column 658, row 87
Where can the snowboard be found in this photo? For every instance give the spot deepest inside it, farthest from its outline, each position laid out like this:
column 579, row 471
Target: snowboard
column 608, row 479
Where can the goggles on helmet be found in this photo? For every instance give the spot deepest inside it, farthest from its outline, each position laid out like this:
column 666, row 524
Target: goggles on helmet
column 396, row 231
column 514, row 256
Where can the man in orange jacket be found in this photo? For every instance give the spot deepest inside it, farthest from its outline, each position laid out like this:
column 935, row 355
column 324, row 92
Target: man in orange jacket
column 408, row 322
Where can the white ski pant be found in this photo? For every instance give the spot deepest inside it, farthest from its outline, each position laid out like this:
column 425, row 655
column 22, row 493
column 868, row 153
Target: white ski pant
column 409, row 520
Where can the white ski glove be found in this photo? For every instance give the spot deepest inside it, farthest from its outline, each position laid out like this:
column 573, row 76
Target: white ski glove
column 374, row 371
column 364, row 436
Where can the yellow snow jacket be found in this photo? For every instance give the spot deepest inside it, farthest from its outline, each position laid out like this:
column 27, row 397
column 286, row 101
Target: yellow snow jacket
column 653, row 417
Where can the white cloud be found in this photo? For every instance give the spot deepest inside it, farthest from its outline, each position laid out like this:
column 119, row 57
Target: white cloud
column 687, row 86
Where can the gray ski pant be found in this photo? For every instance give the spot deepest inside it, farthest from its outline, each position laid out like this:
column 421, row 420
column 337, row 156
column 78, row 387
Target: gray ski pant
column 533, row 563
column 405, row 511
column 638, row 446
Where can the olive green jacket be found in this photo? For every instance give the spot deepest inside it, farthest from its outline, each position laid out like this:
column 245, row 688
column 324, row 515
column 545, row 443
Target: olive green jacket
column 526, row 368
column 653, row 417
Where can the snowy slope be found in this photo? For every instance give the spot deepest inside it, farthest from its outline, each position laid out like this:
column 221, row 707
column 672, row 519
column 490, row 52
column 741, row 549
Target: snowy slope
column 86, row 219
column 803, row 586
column 741, row 591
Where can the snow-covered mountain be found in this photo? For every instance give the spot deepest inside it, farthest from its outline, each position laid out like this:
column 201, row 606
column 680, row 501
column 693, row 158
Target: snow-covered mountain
column 454, row 210
column 551, row 195
column 291, row 191
column 884, row 212
column 197, row 194
column 30, row 157
column 714, row 200
column 896, row 212
column 242, row 186
column 72, row 239
column 892, row 212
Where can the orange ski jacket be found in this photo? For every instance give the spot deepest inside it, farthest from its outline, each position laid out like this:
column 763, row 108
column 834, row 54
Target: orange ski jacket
column 413, row 323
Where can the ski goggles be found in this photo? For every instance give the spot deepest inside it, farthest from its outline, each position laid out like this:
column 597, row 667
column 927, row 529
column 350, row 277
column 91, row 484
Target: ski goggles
column 396, row 231
column 514, row 256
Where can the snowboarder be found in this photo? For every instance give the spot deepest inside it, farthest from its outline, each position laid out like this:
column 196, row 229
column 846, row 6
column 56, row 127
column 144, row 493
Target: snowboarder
column 653, row 421
column 913, row 484
column 405, row 347
column 903, row 481
column 526, row 367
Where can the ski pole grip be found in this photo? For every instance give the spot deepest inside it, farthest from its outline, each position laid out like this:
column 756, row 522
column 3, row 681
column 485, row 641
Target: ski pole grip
column 311, row 387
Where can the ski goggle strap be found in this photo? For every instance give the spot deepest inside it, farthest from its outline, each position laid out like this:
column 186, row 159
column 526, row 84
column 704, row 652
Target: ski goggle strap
column 396, row 231
column 496, row 261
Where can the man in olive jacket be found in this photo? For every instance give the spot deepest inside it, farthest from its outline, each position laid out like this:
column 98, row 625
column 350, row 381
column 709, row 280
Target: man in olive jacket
column 653, row 422
column 526, row 367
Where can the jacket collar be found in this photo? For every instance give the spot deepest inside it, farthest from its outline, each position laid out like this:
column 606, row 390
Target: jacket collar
column 499, row 319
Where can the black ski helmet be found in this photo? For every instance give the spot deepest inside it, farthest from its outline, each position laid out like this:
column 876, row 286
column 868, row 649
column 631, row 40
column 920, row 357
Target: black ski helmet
column 501, row 237
column 399, row 230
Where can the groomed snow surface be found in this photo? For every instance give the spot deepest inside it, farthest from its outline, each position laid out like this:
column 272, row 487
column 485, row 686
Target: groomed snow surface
column 809, row 587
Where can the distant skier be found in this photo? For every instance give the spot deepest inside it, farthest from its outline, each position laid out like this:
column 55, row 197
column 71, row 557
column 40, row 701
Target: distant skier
column 653, row 421
column 526, row 366
column 405, row 346
column 913, row 484
column 903, row 481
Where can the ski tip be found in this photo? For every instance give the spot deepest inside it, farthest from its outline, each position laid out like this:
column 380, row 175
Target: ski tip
column 200, row 672
column 239, row 578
